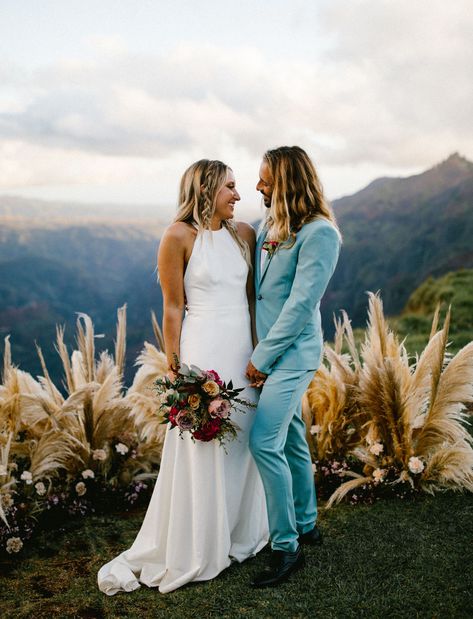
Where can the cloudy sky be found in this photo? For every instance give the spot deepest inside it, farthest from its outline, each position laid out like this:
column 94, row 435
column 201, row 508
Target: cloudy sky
column 110, row 100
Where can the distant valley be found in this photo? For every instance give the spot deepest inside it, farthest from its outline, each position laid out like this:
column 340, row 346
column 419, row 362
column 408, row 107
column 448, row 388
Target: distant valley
column 55, row 261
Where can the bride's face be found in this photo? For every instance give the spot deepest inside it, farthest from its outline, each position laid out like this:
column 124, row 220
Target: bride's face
column 226, row 198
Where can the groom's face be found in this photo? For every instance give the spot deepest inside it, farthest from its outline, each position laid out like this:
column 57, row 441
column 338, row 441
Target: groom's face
column 265, row 184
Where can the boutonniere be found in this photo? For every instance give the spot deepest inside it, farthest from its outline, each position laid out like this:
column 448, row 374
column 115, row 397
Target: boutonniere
column 271, row 246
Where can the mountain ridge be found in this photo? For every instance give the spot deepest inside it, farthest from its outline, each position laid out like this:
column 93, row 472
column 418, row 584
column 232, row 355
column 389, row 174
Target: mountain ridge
column 397, row 232
column 443, row 175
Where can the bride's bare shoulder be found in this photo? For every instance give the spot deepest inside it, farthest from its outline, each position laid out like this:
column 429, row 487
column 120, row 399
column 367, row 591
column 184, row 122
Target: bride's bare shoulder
column 245, row 231
column 180, row 232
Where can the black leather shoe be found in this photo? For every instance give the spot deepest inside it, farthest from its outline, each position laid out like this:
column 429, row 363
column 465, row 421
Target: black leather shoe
column 311, row 538
column 281, row 565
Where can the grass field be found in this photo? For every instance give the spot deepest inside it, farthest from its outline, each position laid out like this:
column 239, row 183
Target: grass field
column 393, row 559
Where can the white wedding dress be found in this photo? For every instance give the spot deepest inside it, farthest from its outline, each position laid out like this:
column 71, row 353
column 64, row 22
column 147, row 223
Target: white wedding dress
column 208, row 506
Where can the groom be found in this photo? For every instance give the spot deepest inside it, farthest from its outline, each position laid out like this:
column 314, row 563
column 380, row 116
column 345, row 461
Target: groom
column 296, row 253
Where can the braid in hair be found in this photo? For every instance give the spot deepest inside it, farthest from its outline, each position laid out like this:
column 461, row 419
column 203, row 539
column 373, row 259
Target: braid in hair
column 198, row 191
column 210, row 182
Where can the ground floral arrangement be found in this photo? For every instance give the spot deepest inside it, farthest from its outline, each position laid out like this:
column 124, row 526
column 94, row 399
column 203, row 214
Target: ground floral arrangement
column 379, row 425
column 95, row 450
column 382, row 424
column 385, row 483
column 49, row 504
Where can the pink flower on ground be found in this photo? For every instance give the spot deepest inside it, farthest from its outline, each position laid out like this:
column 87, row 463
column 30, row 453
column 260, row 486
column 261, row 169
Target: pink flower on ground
column 99, row 454
column 220, row 408
column 81, row 488
column 14, row 544
column 6, row 500
column 378, row 475
column 416, row 465
column 376, row 448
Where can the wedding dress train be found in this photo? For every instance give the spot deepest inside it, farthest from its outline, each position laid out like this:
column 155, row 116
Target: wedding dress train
column 208, row 506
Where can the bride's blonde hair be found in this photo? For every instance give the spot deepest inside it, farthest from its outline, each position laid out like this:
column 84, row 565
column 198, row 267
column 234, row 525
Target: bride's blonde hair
column 297, row 196
column 198, row 191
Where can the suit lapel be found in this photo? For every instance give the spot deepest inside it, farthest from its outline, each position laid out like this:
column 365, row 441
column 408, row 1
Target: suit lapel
column 259, row 245
column 266, row 262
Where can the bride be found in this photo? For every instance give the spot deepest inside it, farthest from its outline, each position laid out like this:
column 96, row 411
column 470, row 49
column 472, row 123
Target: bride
column 208, row 506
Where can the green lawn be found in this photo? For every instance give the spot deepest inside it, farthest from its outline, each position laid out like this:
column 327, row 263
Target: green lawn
column 392, row 559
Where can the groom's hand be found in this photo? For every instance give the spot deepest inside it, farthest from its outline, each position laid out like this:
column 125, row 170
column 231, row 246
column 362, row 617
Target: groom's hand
column 255, row 377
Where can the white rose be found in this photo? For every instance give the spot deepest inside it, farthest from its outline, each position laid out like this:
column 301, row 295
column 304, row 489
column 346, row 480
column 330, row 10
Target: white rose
column 40, row 488
column 121, row 448
column 81, row 488
column 27, row 477
column 315, row 429
column 378, row 475
column 99, row 454
column 416, row 465
column 314, row 467
column 376, row 448
column 14, row 544
column 88, row 473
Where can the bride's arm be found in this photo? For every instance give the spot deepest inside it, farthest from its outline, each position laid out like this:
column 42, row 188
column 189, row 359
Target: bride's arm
column 171, row 263
column 248, row 234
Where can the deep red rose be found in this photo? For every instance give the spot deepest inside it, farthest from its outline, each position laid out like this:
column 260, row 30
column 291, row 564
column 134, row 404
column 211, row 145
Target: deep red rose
column 208, row 431
column 172, row 415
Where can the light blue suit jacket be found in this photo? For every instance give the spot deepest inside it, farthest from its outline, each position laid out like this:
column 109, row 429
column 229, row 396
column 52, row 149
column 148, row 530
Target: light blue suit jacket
column 288, row 293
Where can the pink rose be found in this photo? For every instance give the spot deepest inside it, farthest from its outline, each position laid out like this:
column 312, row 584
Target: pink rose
column 213, row 375
column 184, row 420
column 219, row 408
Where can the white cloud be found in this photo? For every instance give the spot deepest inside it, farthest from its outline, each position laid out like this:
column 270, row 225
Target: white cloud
column 392, row 90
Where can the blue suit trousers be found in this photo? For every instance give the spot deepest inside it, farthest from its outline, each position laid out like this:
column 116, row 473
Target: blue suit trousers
column 279, row 446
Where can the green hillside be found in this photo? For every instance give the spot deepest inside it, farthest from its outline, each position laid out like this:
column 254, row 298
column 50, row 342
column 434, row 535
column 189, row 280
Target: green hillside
column 453, row 289
column 398, row 232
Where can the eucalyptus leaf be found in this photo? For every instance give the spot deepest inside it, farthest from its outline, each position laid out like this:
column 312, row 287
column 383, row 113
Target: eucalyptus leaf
column 197, row 371
column 184, row 370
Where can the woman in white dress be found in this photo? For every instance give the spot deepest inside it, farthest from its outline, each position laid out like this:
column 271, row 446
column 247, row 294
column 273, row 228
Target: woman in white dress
column 208, row 506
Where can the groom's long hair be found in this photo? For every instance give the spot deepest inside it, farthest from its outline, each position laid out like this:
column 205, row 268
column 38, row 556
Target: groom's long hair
column 297, row 196
column 198, row 191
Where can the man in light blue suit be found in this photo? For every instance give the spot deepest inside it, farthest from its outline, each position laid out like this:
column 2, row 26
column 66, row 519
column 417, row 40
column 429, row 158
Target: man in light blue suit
column 296, row 253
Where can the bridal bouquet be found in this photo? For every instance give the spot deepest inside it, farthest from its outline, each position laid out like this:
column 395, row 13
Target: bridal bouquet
column 199, row 402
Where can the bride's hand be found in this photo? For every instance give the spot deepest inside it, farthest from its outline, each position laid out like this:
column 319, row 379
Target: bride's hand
column 172, row 372
column 171, row 375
